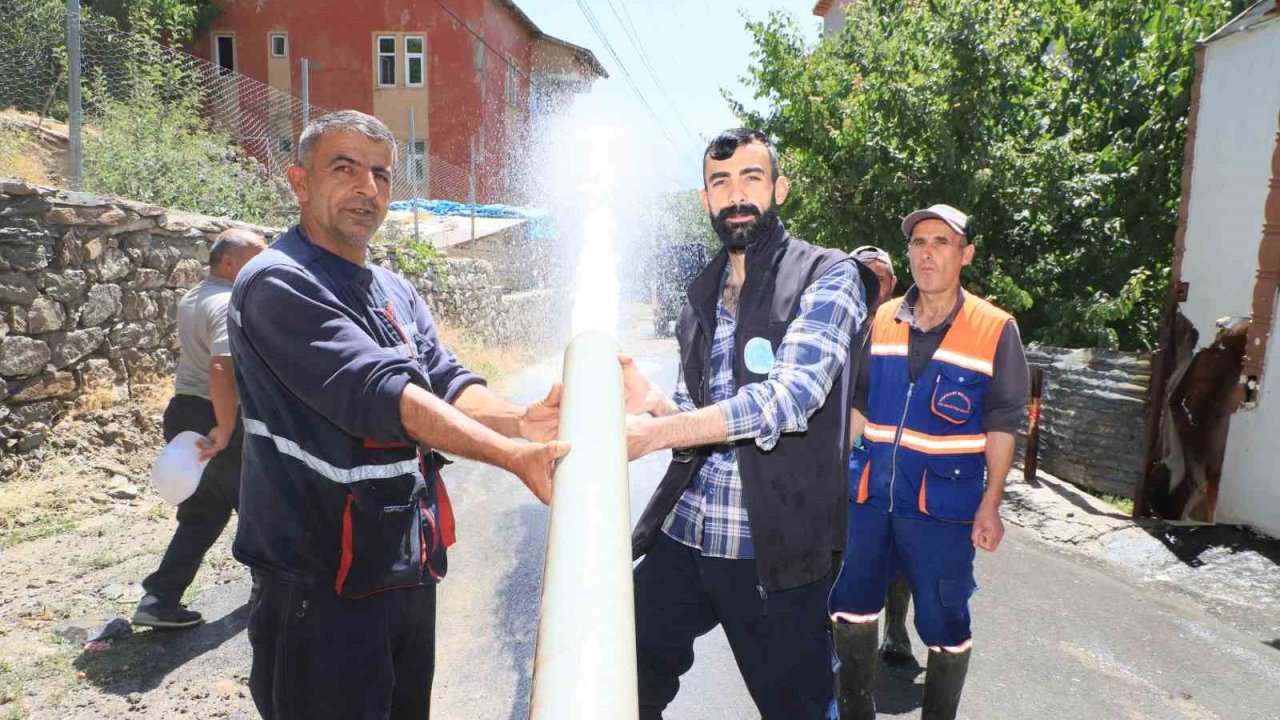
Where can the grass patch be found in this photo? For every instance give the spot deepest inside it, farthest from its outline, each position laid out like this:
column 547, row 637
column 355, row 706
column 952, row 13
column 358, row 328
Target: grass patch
column 10, row 692
column 158, row 512
column 492, row 362
column 104, row 560
column 1121, row 503
column 20, row 535
column 22, row 155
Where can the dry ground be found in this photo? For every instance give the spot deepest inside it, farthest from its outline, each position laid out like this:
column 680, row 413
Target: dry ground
column 80, row 527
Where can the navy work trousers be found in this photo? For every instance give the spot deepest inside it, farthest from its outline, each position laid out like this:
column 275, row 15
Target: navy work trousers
column 203, row 516
column 319, row 656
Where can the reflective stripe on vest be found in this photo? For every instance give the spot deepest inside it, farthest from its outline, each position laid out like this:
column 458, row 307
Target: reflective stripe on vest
column 934, row 424
column 345, row 476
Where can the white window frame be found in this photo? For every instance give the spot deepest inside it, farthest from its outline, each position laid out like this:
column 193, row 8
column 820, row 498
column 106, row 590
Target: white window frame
column 512, row 90
column 271, row 44
column 420, row 56
column 379, row 54
column 416, row 168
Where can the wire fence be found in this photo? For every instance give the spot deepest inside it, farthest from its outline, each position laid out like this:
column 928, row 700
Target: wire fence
column 124, row 75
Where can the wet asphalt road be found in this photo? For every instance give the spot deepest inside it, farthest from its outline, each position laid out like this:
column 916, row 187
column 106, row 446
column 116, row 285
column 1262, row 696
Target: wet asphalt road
column 1057, row 635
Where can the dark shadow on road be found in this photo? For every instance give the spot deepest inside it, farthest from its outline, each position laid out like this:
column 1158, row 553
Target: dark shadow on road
column 518, row 597
column 1188, row 543
column 140, row 661
column 1272, row 643
column 898, row 692
column 1079, row 502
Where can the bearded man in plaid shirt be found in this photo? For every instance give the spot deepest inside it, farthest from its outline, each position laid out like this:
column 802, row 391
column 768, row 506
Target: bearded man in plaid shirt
column 740, row 532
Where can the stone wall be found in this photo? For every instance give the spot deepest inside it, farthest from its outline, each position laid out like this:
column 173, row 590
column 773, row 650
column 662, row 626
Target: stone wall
column 1093, row 411
column 472, row 294
column 89, row 289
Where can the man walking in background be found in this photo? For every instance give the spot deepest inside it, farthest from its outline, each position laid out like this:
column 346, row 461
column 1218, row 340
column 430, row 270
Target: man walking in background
column 204, row 401
column 896, row 647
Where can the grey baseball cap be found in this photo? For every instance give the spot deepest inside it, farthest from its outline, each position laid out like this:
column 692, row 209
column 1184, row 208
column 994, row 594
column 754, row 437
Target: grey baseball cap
column 957, row 220
column 871, row 253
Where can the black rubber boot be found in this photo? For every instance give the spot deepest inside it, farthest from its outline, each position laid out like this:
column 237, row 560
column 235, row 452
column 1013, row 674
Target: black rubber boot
column 856, row 683
column 943, row 683
column 896, row 647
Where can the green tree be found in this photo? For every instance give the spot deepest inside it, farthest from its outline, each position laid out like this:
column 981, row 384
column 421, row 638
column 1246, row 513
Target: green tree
column 1059, row 124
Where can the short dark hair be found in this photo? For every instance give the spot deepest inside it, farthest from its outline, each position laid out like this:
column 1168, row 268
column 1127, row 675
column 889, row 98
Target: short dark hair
column 727, row 143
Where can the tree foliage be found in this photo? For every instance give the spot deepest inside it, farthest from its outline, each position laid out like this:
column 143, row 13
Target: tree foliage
column 1059, row 124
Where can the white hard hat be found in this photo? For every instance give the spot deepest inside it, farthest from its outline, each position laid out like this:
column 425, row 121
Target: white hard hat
column 178, row 469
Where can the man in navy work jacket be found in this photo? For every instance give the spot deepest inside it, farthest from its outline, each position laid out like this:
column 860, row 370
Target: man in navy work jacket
column 347, row 394
column 941, row 393
column 740, row 533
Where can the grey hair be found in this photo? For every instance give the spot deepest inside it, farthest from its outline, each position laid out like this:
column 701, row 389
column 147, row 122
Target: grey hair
column 233, row 240
column 349, row 120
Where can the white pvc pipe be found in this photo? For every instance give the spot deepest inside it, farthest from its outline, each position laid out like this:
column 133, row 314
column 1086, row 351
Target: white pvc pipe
column 585, row 663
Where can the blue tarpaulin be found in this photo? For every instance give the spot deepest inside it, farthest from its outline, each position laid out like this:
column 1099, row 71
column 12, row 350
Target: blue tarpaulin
column 448, row 207
column 539, row 227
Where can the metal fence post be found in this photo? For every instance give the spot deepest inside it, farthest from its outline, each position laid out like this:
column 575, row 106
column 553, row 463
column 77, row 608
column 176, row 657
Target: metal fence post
column 74, row 99
column 412, row 167
column 472, row 176
column 306, row 92
column 1032, row 455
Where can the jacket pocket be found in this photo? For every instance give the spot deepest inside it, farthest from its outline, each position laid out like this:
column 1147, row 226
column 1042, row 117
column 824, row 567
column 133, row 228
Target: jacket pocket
column 382, row 548
column 859, row 475
column 957, row 395
column 951, row 488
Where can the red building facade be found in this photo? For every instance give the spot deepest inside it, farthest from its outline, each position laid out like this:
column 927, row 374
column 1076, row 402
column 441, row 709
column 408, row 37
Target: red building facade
column 465, row 68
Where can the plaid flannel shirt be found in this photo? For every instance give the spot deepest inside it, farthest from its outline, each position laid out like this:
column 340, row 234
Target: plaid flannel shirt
column 711, row 515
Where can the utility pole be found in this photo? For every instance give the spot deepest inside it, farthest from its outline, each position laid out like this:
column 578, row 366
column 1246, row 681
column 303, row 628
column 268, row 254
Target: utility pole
column 306, row 92
column 472, row 175
column 413, row 170
column 74, row 100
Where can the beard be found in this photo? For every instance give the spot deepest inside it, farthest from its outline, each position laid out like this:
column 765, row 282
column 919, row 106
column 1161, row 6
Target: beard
column 740, row 236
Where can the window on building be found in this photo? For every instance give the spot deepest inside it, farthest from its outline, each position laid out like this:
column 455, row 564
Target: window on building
column 284, row 145
column 513, row 82
column 224, row 48
column 415, row 67
column 386, row 61
column 417, row 163
column 279, row 45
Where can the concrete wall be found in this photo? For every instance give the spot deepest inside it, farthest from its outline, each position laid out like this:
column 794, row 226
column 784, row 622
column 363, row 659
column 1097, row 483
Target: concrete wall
column 1093, row 411
column 89, row 289
column 1239, row 104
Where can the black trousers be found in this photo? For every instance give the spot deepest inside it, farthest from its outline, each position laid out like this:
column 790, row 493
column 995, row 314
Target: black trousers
column 201, row 517
column 318, row 656
column 780, row 642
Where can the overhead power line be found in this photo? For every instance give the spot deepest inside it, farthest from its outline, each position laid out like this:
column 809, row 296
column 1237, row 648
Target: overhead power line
column 634, row 38
column 626, row 73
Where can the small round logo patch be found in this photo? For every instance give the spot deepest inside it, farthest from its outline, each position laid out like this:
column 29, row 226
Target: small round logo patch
column 758, row 355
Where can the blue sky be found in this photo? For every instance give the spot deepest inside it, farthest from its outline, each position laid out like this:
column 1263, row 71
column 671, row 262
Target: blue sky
column 694, row 48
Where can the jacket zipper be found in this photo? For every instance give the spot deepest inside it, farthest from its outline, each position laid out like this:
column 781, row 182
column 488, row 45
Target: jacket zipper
column 897, row 439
